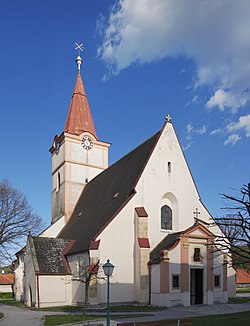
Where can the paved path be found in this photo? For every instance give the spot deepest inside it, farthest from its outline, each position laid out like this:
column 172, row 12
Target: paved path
column 14, row 316
column 191, row 311
column 26, row 317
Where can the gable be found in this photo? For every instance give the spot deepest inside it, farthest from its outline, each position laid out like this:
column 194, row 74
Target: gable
column 196, row 231
column 105, row 195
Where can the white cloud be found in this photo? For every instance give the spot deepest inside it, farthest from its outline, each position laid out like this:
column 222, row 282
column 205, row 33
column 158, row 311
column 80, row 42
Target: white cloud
column 226, row 99
column 217, row 131
column 187, row 146
column 215, row 34
column 202, row 130
column 232, row 139
column 191, row 131
column 242, row 124
column 197, row 131
column 189, row 127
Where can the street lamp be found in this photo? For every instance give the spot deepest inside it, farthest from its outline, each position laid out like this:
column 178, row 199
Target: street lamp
column 108, row 271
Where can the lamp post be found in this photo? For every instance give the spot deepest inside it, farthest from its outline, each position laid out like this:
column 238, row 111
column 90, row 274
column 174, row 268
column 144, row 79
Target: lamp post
column 108, row 271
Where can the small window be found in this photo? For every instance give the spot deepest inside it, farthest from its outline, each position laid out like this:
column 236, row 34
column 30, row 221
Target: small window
column 166, row 218
column 58, row 182
column 175, row 281
column 197, row 254
column 216, row 281
column 169, row 167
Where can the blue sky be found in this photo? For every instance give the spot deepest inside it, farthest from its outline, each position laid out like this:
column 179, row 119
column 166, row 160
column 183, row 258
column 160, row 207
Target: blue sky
column 143, row 59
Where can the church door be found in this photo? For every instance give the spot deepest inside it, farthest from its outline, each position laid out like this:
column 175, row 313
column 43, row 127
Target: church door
column 196, row 286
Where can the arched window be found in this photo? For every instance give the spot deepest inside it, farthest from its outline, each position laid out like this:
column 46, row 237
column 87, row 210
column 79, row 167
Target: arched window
column 166, row 218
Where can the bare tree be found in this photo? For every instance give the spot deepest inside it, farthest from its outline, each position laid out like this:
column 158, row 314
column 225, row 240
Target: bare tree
column 17, row 219
column 236, row 227
column 86, row 274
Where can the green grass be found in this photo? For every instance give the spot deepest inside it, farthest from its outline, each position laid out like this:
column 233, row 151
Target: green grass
column 134, row 308
column 121, row 308
column 67, row 319
column 241, row 318
column 12, row 302
column 6, row 295
column 235, row 319
column 243, row 290
column 61, row 309
column 238, row 300
column 1, row 315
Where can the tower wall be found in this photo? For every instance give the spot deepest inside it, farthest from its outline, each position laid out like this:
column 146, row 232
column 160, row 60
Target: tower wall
column 73, row 167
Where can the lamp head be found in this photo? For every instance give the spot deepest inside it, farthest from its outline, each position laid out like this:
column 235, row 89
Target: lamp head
column 108, row 268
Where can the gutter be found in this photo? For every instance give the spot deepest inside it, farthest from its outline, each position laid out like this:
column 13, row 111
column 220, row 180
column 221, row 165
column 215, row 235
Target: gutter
column 38, row 290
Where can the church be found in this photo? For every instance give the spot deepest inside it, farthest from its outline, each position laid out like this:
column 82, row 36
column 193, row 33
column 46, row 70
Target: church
column 143, row 213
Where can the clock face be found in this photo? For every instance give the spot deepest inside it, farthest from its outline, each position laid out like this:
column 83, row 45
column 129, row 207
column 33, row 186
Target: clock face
column 87, row 143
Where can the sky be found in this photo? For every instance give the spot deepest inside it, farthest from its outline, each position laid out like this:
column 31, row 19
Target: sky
column 143, row 59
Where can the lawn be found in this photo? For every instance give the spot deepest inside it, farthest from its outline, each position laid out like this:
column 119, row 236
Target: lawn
column 243, row 290
column 238, row 300
column 12, row 302
column 235, row 319
column 241, row 318
column 120, row 308
column 67, row 319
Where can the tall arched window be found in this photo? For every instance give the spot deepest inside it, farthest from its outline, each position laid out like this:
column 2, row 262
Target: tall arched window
column 166, row 218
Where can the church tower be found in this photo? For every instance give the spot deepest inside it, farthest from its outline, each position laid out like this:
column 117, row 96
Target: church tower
column 77, row 154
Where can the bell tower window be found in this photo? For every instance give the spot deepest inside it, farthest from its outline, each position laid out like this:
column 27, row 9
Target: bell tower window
column 166, row 218
column 58, row 181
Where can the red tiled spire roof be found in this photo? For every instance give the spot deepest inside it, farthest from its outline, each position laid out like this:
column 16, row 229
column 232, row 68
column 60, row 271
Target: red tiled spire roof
column 79, row 117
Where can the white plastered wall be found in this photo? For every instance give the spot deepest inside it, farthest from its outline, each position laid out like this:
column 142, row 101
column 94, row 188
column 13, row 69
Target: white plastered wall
column 156, row 184
column 78, row 287
column 30, row 295
column 54, row 290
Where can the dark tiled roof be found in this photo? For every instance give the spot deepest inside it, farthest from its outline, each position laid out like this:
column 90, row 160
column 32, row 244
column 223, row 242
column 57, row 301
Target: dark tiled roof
column 165, row 244
column 47, row 254
column 105, row 195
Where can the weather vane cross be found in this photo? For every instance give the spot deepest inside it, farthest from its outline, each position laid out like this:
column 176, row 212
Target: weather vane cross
column 79, row 47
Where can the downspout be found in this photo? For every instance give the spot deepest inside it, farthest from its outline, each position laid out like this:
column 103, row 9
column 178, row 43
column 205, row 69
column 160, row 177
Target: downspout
column 38, row 290
column 149, row 281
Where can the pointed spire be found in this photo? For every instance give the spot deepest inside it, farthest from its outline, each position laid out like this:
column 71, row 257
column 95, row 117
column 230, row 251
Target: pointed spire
column 79, row 116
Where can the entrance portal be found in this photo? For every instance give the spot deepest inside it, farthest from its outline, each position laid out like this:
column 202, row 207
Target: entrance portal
column 196, row 286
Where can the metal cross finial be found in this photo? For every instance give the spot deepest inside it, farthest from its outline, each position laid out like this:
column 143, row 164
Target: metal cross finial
column 196, row 213
column 168, row 118
column 79, row 47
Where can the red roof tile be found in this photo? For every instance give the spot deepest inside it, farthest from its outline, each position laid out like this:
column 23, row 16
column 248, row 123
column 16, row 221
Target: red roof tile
column 242, row 276
column 141, row 212
column 7, row 279
column 143, row 243
column 79, row 117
